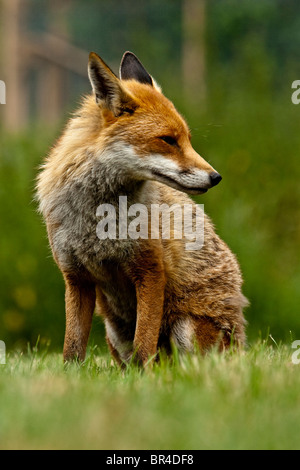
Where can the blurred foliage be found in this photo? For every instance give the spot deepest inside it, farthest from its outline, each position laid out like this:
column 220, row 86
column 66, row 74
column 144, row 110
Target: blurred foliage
column 248, row 130
column 31, row 291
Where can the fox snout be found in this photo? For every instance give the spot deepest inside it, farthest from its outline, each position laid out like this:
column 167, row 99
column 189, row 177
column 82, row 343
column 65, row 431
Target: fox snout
column 201, row 181
column 204, row 176
column 200, row 175
column 196, row 179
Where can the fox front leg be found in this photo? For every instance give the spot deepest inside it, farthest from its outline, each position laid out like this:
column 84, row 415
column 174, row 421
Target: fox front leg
column 80, row 304
column 150, row 286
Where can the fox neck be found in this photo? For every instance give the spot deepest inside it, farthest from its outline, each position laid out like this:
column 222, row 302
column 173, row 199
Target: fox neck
column 118, row 171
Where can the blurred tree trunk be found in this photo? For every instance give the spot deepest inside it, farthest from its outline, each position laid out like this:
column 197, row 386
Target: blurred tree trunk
column 52, row 82
column 16, row 110
column 194, row 63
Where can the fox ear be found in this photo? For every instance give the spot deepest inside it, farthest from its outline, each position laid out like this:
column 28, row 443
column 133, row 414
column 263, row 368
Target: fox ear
column 107, row 88
column 132, row 68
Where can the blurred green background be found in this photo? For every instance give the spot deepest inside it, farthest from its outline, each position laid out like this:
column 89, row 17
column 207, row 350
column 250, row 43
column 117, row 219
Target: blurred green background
column 236, row 96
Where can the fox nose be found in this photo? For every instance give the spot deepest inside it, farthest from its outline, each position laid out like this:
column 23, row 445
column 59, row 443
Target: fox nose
column 215, row 178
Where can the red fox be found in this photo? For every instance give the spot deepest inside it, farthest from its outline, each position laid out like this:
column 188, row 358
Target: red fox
column 128, row 140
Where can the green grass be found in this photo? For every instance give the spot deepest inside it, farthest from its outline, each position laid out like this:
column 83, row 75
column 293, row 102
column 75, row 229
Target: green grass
column 246, row 400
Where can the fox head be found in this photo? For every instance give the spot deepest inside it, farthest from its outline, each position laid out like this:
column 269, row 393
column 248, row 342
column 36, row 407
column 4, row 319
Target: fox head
column 143, row 127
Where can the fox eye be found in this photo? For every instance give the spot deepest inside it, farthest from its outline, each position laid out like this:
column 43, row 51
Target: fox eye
column 169, row 139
